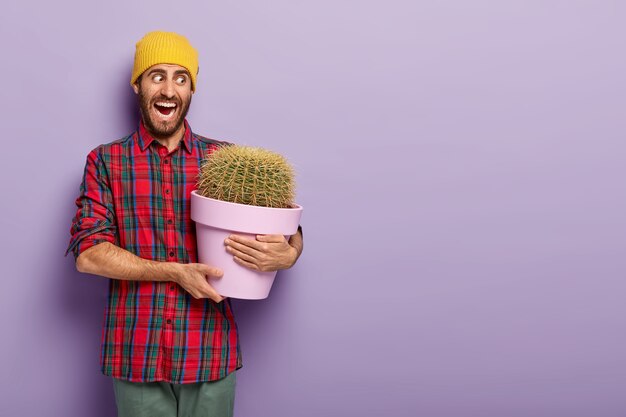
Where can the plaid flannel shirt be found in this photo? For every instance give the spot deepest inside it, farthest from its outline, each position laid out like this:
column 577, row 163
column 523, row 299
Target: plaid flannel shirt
column 136, row 194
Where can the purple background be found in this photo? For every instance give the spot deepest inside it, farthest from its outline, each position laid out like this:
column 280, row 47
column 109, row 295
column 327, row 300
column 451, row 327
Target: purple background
column 461, row 164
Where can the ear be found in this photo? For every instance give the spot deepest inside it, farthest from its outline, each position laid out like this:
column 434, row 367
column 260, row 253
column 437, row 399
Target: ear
column 136, row 88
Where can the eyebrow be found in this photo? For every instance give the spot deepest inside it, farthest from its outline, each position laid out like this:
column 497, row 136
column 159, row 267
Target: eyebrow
column 161, row 71
column 156, row 71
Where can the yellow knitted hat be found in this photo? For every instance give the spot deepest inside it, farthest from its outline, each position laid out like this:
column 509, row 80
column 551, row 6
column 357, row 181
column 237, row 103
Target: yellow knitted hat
column 165, row 48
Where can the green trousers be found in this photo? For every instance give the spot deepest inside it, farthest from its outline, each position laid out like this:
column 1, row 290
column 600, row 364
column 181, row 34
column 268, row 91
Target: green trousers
column 162, row 399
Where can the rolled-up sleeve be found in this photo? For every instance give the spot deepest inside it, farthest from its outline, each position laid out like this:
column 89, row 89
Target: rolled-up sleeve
column 95, row 216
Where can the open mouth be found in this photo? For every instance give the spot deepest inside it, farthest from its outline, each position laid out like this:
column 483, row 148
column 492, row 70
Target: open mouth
column 165, row 108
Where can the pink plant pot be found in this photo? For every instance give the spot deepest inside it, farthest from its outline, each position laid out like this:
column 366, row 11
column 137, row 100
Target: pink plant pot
column 216, row 220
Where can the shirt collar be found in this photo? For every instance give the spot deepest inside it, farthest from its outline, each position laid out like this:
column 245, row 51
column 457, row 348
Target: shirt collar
column 145, row 139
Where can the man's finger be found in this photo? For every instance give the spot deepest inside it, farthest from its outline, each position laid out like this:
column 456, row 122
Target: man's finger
column 244, row 247
column 240, row 255
column 245, row 241
column 248, row 265
column 217, row 298
column 271, row 238
column 209, row 292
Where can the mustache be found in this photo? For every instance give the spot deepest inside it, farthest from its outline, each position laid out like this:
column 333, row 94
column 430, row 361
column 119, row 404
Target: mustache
column 166, row 100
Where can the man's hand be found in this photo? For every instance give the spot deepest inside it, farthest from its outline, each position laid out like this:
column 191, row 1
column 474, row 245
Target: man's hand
column 193, row 278
column 107, row 260
column 266, row 253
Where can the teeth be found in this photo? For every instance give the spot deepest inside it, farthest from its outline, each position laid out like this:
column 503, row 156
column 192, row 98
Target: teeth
column 165, row 104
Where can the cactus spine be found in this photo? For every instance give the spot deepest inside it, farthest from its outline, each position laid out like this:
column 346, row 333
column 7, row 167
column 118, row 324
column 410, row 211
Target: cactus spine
column 247, row 175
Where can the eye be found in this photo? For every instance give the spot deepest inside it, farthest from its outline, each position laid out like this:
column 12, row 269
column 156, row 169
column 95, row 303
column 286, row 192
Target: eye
column 181, row 79
column 157, row 78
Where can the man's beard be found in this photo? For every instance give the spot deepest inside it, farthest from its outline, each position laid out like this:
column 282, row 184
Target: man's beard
column 160, row 129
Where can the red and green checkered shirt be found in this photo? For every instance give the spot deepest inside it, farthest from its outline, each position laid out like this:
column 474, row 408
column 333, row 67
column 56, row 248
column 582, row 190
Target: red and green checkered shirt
column 136, row 194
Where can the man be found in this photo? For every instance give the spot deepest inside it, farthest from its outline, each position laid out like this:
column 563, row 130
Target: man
column 170, row 340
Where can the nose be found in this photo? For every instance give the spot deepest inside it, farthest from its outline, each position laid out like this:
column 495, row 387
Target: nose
column 167, row 89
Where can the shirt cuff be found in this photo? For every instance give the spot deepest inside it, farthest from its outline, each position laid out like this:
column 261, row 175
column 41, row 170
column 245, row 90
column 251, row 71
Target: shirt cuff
column 80, row 244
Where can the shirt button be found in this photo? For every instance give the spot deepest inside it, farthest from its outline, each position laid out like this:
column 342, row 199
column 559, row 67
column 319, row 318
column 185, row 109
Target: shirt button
column 167, row 191
column 169, row 221
column 167, row 161
column 171, row 254
column 172, row 287
column 169, row 321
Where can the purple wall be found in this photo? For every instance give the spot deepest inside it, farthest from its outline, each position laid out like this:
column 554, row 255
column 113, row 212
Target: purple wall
column 462, row 169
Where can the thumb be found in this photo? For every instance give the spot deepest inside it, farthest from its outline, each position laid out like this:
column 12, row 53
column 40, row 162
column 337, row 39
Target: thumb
column 211, row 270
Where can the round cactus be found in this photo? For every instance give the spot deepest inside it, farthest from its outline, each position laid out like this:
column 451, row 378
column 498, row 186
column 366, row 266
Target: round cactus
column 247, row 175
